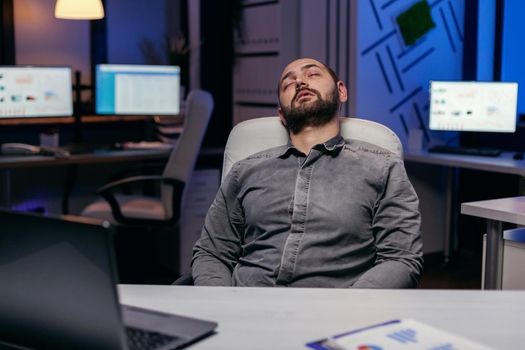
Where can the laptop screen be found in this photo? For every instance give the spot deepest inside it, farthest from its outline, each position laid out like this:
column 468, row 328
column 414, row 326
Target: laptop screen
column 46, row 303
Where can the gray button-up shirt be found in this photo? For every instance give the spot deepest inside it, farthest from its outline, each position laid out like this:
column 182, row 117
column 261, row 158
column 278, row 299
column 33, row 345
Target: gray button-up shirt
column 345, row 215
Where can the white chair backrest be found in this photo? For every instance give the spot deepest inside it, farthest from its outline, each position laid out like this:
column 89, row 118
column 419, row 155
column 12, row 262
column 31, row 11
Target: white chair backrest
column 255, row 135
column 199, row 105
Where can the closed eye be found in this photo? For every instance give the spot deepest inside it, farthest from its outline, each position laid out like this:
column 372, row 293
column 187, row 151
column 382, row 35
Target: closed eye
column 287, row 84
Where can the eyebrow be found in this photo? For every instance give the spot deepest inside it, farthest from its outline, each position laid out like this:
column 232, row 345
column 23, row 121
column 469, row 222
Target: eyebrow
column 303, row 68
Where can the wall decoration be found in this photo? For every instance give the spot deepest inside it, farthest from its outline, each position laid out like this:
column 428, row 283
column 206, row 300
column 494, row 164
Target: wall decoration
column 415, row 22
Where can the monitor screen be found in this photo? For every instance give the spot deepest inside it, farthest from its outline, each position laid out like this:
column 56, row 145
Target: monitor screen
column 35, row 92
column 137, row 89
column 473, row 106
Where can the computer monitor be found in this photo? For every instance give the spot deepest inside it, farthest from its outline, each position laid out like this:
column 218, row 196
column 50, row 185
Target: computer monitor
column 137, row 89
column 473, row 106
column 29, row 92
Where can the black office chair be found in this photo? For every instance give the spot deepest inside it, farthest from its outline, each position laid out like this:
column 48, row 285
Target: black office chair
column 184, row 280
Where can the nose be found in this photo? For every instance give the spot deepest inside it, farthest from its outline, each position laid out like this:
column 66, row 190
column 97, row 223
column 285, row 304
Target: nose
column 299, row 84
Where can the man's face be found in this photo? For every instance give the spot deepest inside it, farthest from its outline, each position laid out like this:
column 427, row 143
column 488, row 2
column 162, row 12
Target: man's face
column 308, row 95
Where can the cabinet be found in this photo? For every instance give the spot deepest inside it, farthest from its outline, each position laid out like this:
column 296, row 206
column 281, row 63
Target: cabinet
column 513, row 274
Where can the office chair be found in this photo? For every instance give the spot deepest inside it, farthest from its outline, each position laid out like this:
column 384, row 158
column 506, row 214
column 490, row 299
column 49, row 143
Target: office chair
column 255, row 135
column 139, row 210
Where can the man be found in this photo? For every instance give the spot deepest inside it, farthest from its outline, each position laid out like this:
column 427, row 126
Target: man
column 318, row 212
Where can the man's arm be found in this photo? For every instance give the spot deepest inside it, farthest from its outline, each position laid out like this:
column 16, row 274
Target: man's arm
column 396, row 224
column 217, row 251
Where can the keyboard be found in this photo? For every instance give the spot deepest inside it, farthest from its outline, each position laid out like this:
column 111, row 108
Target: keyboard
column 140, row 339
column 86, row 148
column 470, row 151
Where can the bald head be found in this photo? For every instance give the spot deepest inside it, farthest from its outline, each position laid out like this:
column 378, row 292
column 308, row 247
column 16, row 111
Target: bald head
column 305, row 63
column 309, row 94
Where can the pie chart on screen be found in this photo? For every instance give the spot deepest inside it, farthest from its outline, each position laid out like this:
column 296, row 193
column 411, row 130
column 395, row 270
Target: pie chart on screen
column 369, row 347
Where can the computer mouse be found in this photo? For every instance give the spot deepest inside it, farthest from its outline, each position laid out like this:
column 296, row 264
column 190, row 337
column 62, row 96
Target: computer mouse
column 518, row 156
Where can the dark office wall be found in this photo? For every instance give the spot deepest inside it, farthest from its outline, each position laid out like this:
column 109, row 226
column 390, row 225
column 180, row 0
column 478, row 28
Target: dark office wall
column 470, row 46
column 7, row 33
column 216, row 66
column 42, row 39
column 476, row 185
column 504, row 60
column 133, row 23
column 98, row 46
column 512, row 54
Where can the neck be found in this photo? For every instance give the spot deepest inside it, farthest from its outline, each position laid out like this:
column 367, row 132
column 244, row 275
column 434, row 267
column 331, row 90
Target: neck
column 314, row 135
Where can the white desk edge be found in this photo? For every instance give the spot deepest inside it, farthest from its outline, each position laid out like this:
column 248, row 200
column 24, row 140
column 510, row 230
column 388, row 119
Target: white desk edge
column 288, row 318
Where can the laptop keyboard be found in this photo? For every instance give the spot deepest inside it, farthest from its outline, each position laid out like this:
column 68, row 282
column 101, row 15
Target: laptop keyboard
column 140, row 339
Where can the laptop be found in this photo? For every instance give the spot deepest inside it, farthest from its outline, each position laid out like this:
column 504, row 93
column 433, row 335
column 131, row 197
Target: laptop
column 58, row 290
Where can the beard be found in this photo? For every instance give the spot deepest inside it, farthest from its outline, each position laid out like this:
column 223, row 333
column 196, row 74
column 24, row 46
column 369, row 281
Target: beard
column 317, row 113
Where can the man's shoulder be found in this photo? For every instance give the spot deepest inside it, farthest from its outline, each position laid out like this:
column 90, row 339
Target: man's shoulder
column 273, row 152
column 259, row 158
column 368, row 149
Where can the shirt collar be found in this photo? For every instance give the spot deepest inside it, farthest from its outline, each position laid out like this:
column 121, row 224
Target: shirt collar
column 334, row 144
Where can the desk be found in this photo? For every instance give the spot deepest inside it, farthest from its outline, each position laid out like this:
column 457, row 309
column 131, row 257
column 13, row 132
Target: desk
column 496, row 211
column 110, row 156
column 503, row 164
column 288, row 318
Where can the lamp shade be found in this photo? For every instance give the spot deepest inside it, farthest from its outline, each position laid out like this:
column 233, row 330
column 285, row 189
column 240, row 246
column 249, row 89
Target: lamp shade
column 79, row 9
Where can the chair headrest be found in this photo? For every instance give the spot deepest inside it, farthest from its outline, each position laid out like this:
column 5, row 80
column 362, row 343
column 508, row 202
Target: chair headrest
column 255, row 135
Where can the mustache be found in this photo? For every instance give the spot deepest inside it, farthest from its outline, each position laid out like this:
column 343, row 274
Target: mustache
column 297, row 92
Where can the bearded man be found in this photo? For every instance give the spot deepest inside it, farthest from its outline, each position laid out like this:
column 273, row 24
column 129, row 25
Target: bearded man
column 321, row 211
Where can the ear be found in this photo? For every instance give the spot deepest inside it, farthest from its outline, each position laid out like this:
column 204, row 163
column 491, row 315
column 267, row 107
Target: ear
column 342, row 91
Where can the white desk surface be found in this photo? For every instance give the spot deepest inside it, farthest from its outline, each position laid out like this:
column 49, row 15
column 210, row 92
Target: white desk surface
column 288, row 318
column 502, row 164
column 510, row 209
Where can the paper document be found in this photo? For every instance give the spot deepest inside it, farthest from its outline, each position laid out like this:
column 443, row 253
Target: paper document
column 397, row 335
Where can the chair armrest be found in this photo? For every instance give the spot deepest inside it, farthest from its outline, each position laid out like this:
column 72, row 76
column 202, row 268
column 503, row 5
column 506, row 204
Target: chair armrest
column 134, row 179
column 184, row 280
column 149, row 168
column 106, row 192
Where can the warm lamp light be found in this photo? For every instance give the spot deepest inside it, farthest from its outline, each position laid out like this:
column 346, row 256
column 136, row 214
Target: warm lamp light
column 79, row 9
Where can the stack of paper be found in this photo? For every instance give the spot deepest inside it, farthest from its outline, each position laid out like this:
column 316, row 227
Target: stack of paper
column 397, row 335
